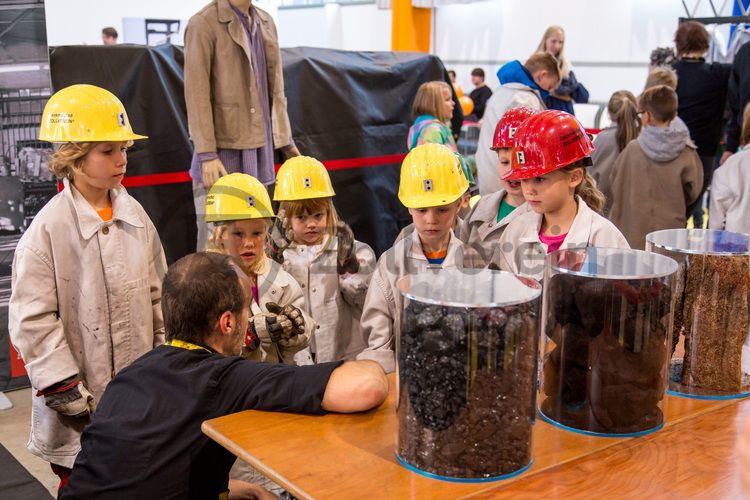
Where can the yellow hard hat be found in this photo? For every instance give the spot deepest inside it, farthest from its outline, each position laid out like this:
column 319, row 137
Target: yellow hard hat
column 85, row 113
column 238, row 197
column 302, row 178
column 431, row 176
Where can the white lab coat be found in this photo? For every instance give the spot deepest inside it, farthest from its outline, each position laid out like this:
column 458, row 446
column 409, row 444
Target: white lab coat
column 276, row 285
column 481, row 231
column 86, row 302
column 522, row 252
column 383, row 298
column 730, row 194
column 334, row 301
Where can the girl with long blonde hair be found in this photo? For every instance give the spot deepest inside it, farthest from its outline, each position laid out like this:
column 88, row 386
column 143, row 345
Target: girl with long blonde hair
column 569, row 90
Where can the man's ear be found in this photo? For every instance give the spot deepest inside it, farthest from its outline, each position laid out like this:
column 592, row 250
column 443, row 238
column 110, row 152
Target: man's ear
column 226, row 322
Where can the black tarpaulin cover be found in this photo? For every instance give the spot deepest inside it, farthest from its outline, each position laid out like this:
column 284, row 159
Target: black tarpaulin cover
column 342, row 105
column 149, row 82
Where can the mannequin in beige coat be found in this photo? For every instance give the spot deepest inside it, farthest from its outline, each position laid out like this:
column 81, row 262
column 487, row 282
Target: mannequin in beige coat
column 234, row 93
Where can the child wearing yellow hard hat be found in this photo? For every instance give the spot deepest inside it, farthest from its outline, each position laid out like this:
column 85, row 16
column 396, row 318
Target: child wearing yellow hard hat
column 320, row 251
column 86, row 286
column 239, row 207
column 431, row 186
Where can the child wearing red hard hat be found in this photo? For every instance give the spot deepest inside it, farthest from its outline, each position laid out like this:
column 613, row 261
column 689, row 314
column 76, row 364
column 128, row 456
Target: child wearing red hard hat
column 550, row 156
column 484, row 225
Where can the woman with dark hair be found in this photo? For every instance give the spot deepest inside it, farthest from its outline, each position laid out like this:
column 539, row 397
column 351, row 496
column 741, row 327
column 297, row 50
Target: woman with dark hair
column 701, row 92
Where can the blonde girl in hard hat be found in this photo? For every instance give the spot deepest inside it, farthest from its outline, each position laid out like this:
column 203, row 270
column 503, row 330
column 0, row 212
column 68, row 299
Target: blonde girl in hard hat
column 320, row 251
column 86, row 287
column 432, row 184
column 239, row 207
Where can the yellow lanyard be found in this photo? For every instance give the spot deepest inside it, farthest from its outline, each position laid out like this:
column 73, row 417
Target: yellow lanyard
column 186, row 345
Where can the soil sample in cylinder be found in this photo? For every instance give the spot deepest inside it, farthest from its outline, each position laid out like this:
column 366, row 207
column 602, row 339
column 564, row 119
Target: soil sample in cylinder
column 716, row 331
column 712, row 307
column 607, row 324
column 467, row 365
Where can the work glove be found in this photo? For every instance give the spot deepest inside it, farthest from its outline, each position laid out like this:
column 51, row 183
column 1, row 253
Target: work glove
column 212, row 170
column 346, row 256
column 354, row 290
column 278, row 326
column 69, row 397
column 280, row 237
column 291, row 314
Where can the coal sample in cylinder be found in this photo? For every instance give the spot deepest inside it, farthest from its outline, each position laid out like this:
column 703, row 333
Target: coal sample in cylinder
column 467, row 365
column 710, row 358
column 607, row 336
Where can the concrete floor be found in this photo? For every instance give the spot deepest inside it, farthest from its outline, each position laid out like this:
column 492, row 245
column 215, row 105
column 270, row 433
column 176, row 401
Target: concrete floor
column 14, row 433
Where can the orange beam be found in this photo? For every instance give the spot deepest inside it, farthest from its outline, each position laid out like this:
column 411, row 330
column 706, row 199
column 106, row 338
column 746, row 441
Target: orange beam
column 410, row 27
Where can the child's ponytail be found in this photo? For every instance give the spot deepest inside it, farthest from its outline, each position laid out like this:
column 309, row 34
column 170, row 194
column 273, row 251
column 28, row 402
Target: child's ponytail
column 587, row 189
column 624, row 110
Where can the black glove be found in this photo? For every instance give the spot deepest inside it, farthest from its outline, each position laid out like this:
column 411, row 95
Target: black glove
column 346, row 256
column 280, row 237
column 69, row 397
column 291, row 314
column 279, row 327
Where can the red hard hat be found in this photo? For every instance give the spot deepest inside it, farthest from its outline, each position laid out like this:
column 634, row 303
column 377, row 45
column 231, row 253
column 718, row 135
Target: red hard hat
column 547, row 141
column 508, row 125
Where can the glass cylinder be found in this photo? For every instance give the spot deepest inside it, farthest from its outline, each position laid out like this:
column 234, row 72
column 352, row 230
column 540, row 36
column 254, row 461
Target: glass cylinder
column 710, row 356
column 467, row 362
column 607, row 321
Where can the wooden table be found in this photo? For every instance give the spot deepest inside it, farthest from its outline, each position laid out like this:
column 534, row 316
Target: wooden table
column 352, row 456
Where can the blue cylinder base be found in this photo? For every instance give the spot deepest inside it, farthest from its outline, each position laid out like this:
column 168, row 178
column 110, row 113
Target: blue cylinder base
column 598, row 434
column 715, row 397
column 463, row 479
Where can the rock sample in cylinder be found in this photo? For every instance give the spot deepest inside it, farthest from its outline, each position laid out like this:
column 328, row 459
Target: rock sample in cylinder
column 467, row 366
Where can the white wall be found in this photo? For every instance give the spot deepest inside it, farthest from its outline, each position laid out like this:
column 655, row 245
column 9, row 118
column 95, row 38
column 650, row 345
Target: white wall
column 79, row 22
column 349, row 27
column 608, row 41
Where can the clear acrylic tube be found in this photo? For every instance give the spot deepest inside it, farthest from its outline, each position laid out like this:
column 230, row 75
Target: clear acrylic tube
column 710, row 358
column 607, row 319
column 467, row 364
